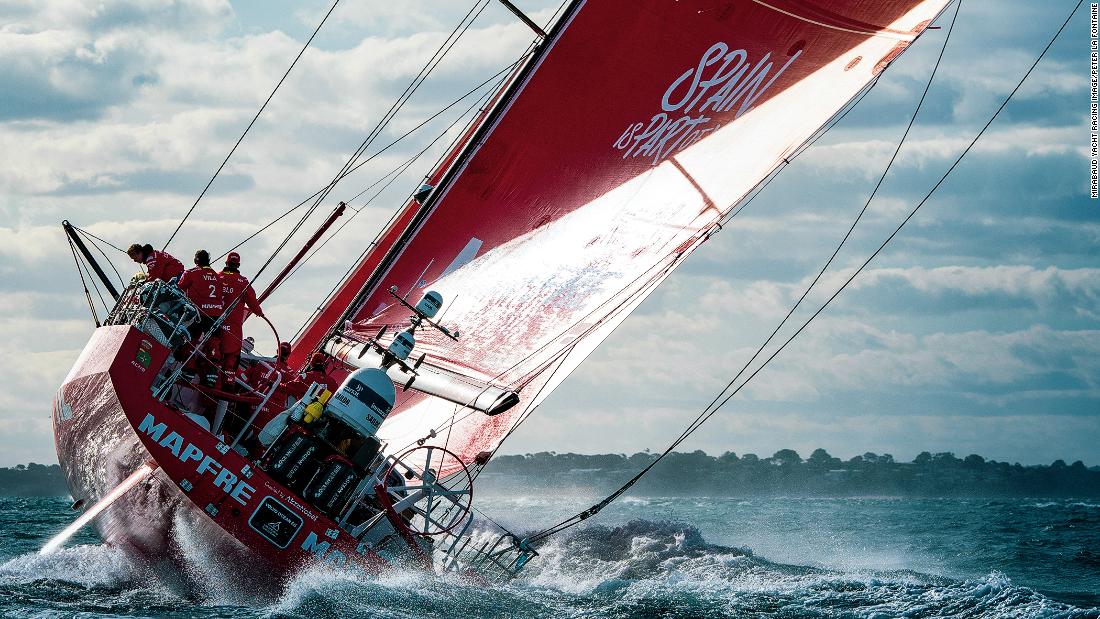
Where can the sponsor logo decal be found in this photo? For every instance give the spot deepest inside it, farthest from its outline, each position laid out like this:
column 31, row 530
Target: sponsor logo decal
column 322, row 552
column 289, row 498
column 275, row 522
column 205, row 466
column 722, row 80
column 143, row 359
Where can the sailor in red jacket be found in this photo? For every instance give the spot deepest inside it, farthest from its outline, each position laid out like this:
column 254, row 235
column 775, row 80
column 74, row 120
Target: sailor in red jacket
column 204, row 288
column 315, row 372
column 235, row 288
column 161, row 265
column 261, row 376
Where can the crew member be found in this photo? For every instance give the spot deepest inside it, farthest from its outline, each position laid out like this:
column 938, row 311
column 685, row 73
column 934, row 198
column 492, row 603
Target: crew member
column 315, row 372
column 262, row 375
column 204, row 289
column 238, row 293
column 161, row 265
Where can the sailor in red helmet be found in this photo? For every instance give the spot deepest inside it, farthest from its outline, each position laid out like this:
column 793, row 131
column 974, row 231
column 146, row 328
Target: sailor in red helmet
column 161, row 265
column 238, row 293
column 203, row 287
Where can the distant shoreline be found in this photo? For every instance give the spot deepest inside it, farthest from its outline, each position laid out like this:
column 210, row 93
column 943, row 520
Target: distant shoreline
column 784, row 474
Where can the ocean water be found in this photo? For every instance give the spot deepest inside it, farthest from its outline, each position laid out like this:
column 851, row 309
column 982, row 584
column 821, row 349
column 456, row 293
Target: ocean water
column 647, row 557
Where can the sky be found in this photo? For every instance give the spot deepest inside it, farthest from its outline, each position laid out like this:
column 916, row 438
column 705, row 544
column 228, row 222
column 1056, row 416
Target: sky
column 976, row 331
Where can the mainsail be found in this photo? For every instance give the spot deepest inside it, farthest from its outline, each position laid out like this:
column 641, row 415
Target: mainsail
column 615, row 154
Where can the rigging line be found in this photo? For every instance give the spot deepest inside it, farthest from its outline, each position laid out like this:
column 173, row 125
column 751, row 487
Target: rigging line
column 393, row 175
column 399, row 172
column 400, row 169
column 554, row 17
column 87, row 294
column 251, row 123
column 411, row 89
column 98, row 292
column 444, row 49
column 347, row 221
column 913, row 212
column 526, row 414
column 105, row 257
column 851, row 229
column 368, row 160
column 84, row 264
column 106, row 242
column 447, row 439
column 386, row 177
column 397, row 212
column 596, row 508
column 481, row 99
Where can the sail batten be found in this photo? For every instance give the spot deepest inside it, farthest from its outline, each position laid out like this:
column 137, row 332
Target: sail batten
column 613, row 156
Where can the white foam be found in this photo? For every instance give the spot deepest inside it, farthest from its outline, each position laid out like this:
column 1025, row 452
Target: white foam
column 87, row 565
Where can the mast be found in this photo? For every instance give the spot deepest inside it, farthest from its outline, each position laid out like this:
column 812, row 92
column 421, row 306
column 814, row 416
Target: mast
column 469, row 148
column 79, row 243
column 336, row 213
column 523, row 18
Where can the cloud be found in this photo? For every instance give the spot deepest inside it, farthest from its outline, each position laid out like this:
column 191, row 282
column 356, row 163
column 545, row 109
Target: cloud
column 966, row 288
column 66, row 61
column 975, row 331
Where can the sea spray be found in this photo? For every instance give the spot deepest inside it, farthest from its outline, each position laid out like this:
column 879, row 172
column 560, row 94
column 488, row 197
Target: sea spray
column 628, row 564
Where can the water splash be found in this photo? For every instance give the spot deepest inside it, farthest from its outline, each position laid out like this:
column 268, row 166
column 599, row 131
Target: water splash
column 86, row 565
column 134, row 479
column 640, row 568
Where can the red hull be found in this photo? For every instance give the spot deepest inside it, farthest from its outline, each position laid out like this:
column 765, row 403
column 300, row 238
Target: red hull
column 107, row 424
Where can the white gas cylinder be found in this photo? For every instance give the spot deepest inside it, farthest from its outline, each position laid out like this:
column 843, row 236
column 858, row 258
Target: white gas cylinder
column 363, row 400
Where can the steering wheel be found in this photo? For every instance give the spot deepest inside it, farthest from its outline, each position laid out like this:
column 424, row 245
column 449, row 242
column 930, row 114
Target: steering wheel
column 442, row 503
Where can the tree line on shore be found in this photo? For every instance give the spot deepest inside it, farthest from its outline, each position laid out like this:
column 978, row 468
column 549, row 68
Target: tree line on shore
column 32, row 480
column 785, row 473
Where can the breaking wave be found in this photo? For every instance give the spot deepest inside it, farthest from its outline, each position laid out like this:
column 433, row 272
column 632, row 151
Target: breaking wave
column 646, row 569
column 638, row 569
column 87, row 566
